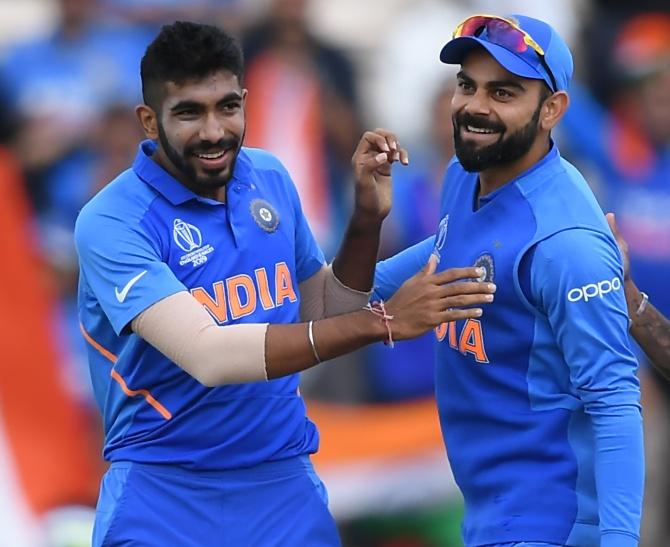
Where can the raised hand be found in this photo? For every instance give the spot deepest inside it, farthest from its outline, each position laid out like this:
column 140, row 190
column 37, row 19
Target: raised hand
column 372, row 160
column 429, row 299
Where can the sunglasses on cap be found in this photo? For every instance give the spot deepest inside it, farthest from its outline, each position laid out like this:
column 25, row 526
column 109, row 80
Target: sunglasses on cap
column 503, row 32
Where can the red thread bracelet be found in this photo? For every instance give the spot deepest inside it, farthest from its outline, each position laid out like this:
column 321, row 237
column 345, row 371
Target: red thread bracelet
column 379, row 309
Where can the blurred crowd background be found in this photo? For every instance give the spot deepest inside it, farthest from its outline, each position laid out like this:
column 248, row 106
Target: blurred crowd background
column 318, row 72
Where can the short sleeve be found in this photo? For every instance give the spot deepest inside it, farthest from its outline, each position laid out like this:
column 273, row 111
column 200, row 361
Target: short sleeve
column 121, row 266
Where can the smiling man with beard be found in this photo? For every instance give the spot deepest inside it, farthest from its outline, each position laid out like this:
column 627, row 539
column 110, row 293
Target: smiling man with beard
column 538, row 399
column 203, row 293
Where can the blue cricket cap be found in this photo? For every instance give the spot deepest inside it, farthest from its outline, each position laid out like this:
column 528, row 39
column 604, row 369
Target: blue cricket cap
column 527, row 64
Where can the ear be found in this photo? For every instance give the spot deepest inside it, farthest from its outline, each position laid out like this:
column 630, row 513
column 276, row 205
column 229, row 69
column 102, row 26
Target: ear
column 148, row 120
column 553, row 109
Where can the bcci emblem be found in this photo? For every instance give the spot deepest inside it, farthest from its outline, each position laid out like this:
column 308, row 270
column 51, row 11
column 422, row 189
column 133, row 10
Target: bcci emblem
column 486, row 261
column 441, row 238
column 265, row 215
column 187, row 236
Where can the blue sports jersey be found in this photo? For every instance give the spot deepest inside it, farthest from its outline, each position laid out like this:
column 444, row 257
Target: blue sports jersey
column 538, row 399
column 144, row 237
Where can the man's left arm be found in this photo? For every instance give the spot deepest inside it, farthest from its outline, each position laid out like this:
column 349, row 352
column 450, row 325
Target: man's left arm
column 346, row 284
column 355, row 262
column 578, row 279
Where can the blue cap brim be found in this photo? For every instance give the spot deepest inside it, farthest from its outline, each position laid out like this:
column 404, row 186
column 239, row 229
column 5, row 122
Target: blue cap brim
column 455, row 51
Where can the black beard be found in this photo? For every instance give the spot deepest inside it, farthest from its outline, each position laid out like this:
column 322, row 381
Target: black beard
column 188, row 171
column 504, row 151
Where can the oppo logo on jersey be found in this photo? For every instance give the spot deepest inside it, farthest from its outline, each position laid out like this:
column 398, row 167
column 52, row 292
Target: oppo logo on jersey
column 242, row 293
column 594, row 290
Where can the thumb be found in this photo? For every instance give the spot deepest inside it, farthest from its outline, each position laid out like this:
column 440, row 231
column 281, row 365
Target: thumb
column 430, row 266
column 611, row 220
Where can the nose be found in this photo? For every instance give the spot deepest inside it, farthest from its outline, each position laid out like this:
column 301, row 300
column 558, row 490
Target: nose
column 477, row 103
column 212, row 130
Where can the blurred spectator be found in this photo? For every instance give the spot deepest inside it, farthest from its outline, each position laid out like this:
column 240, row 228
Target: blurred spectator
column 59, row 85
column 599, row 30
column 302, row 106
column 152, row 14
column 626, row 148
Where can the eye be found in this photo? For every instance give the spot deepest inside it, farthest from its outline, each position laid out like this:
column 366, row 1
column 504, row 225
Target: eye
column 231, row 107
column 465, row 87
column 502, row 93
column 187, row 113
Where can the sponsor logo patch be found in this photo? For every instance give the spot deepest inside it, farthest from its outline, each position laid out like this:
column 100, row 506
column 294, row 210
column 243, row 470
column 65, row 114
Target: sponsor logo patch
column 594, row 290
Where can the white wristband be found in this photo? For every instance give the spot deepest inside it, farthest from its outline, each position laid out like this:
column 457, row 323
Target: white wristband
column 643, row 304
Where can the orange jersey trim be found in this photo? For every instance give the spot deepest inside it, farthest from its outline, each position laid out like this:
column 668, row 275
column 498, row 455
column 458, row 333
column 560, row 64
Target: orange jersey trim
column 119, row 379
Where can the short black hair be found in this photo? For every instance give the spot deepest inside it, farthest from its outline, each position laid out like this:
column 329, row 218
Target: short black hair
column 185, row 51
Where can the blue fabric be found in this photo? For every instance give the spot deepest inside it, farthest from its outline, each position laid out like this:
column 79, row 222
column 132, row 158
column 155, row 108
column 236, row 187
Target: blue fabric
column 272, row 504
column 144, row 237
column 525, row 544
column 538, row 399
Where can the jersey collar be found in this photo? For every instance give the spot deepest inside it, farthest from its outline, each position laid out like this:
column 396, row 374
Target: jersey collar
column 164, row 183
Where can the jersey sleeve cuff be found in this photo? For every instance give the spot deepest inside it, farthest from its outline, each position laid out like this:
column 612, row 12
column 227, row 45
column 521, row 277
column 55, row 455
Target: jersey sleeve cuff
column 619, row 539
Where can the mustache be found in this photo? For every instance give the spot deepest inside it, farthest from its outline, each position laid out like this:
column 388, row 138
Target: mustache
column 205, row 146
column 481, row 122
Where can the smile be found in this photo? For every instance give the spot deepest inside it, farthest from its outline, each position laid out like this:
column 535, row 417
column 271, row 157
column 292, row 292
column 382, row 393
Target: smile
column 212, row 155
column 480, row 130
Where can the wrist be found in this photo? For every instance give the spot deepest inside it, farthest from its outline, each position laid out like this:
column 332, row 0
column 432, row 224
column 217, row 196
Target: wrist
column 375, row 326
column 366, row 221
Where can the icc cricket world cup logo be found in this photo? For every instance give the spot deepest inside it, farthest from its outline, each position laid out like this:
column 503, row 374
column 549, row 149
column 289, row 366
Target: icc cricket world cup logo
column 187, row 236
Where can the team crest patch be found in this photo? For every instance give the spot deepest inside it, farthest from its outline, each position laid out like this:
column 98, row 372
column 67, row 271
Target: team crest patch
column 265, row 215
column 486, row 261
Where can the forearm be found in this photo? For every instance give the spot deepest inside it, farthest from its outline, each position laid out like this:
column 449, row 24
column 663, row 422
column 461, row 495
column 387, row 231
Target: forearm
column 181, row 329
column 619, row 466
column 288, row 348
column 355, row 262
column 650, row 328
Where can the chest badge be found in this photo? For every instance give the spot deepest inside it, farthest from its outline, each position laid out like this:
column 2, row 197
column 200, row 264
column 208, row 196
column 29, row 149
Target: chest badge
column 441, row 237
column 486, row 261
column 264, row 215
column 189, row 239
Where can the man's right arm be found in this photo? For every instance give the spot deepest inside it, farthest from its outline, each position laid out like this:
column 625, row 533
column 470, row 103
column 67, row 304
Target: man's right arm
column 180, row 328
column 649, row 327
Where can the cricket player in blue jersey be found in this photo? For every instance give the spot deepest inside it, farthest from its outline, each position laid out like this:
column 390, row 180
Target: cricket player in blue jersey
column 202, row 294
column 538, row 399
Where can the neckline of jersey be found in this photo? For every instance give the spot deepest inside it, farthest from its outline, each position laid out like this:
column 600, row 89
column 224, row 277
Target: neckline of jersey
column 174, row 191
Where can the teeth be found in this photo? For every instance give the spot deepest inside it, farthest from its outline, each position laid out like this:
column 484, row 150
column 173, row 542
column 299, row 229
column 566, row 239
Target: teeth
column 473, row 129
column 212, row 155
